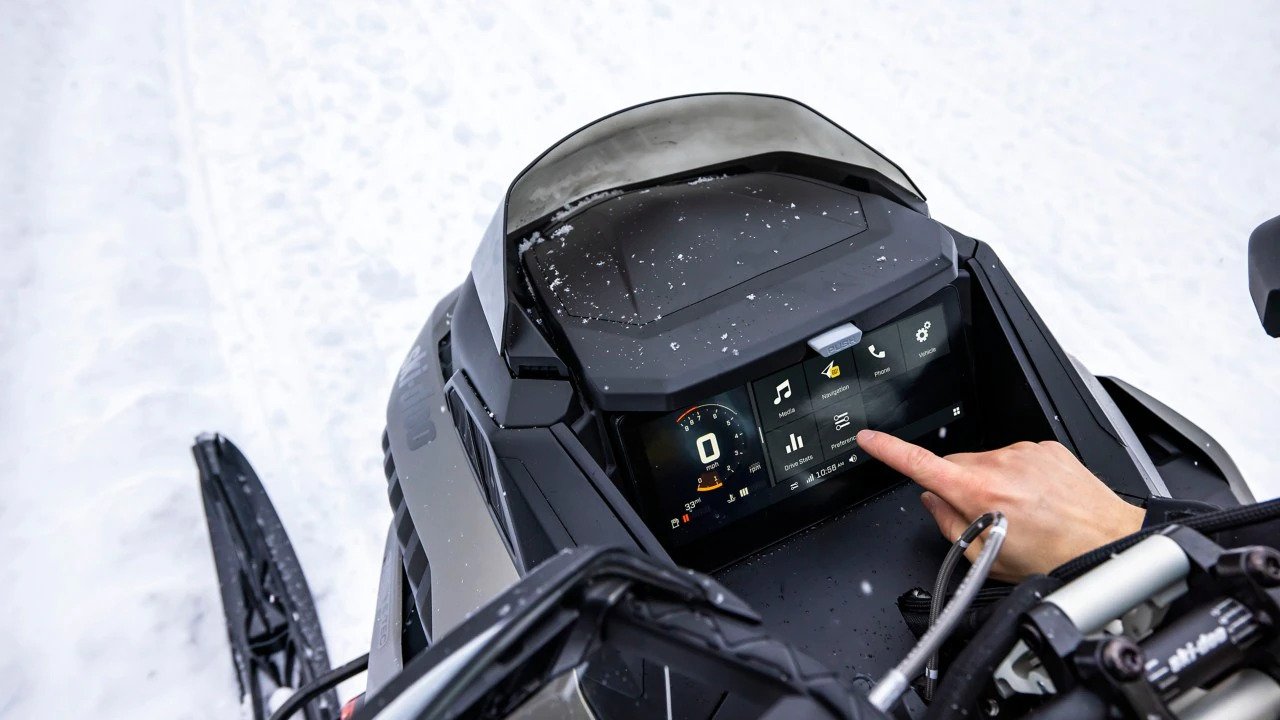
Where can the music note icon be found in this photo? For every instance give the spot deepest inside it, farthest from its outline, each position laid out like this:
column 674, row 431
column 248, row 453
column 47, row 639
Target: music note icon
column 784, row 391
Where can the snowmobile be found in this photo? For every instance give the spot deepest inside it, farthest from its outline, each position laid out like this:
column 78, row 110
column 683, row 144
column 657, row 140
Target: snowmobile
column 624, row 479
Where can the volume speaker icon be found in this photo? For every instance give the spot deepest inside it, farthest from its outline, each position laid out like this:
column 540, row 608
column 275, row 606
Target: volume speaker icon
column 796, row 443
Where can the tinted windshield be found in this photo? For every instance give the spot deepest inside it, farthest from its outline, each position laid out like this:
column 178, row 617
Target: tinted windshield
column 680, row 134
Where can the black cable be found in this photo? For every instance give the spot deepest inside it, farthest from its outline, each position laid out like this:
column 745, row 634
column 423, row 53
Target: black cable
column 973, row 668
column 940, row 586
column 891, row 686
column 970, row 672
column 313, row 689
column 1208, row 524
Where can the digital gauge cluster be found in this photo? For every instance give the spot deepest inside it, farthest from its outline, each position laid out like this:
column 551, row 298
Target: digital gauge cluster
column 712, row 456
column 759, row 444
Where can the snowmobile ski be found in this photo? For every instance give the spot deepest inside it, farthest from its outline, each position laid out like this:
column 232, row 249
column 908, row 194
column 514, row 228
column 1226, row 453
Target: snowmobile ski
column 276, row 642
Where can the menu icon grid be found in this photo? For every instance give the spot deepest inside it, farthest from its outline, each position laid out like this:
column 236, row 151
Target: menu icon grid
column 812, row 412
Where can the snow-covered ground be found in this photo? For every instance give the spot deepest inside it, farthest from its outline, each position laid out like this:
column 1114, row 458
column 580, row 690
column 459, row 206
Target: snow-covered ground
column 235, row 216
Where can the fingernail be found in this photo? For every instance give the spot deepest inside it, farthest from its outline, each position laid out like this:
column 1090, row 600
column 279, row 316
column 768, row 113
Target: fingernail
column 927, row 500
column 865, row 435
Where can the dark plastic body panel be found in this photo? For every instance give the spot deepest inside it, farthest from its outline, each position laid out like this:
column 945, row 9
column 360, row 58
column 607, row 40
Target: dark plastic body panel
column 735, row 335
column 546, row 501
column 514, row 402
column 448, row 520
column 494, row 265
column 1193, row 465
column 1264, row 274
column 637, row 257
column 831, row 589
column 386, row 648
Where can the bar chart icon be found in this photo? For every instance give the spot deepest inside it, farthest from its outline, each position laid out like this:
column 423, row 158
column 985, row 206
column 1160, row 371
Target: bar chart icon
column 797, row 442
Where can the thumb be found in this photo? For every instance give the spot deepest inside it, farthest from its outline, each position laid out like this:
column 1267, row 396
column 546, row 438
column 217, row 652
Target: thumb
column 950, row 522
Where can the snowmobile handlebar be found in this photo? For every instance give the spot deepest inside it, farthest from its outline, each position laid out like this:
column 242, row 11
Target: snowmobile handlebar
column 1194, row 615
column 1264, row 274
column 589, row 598
column 585, row 599
column 1143, row 633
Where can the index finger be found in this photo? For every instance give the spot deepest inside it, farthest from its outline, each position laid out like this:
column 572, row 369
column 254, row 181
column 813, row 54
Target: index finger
column 919, row 464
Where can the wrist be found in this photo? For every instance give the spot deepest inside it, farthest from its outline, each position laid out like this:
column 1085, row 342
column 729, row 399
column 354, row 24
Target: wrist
column 1133, row 519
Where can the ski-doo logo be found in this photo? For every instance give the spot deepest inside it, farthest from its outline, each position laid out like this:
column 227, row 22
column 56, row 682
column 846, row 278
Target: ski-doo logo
column 414, row 399
column 411, row 367
column 1194, row 650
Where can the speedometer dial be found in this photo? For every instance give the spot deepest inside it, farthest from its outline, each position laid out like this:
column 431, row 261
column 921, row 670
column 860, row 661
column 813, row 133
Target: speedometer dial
column 717, row 437
column 706, row 462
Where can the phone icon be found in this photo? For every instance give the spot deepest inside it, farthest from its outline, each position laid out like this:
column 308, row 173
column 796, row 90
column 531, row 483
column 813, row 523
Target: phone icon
column 877, row 355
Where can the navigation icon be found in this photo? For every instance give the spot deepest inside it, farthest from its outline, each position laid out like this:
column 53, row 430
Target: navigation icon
column 831, row 378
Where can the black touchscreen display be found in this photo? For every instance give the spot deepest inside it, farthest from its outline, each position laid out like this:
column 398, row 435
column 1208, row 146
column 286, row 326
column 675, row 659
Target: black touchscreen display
column 757, row 445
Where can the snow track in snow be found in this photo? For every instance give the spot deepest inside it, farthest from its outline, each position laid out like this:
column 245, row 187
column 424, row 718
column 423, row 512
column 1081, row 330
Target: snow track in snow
column 235, row 217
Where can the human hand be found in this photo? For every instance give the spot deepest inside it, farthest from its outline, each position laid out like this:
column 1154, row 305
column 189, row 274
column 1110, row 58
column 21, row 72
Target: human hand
column 1056, row 508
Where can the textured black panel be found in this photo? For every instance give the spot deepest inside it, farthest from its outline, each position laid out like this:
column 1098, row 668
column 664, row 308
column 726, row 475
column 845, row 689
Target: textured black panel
column 830, row 591
column 658, row 297
column 416, row 564
column 635, row 257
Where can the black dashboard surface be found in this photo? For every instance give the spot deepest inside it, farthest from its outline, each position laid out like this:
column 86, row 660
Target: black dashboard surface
column 654, row 293
column 831, row 590
column 636, row 258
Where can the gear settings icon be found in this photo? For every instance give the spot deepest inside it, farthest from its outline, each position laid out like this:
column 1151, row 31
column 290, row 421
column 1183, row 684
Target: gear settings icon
column 922, row 334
